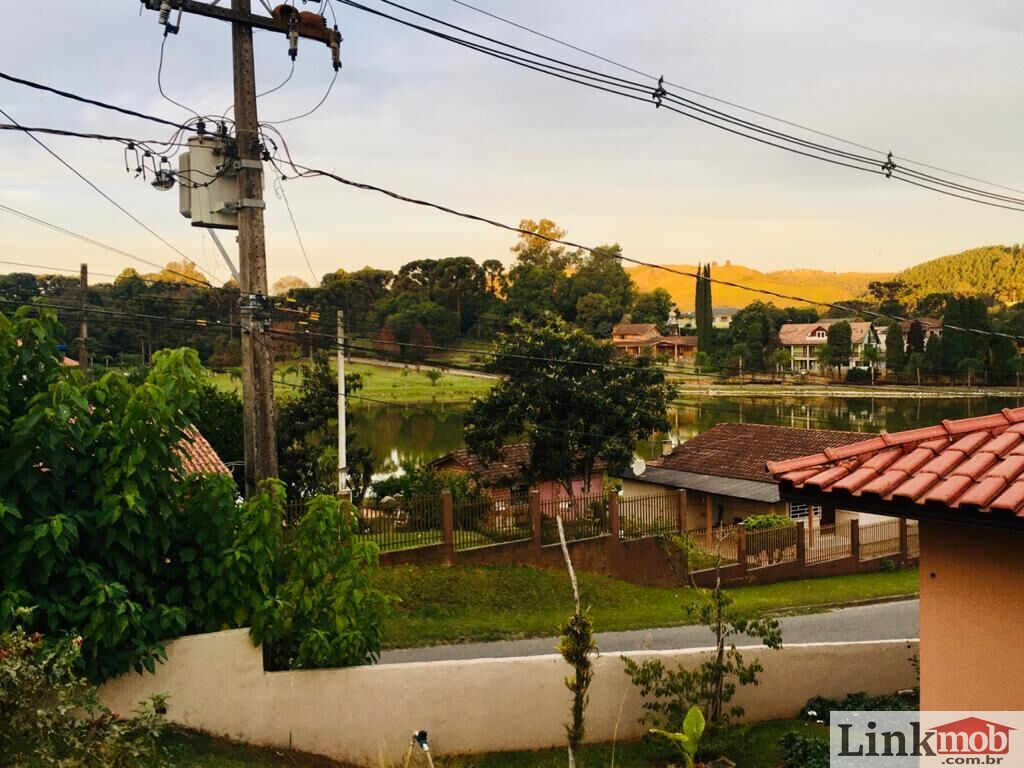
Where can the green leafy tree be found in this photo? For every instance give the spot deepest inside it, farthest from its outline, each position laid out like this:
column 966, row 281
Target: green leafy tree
column 218, row 416
column 601, row 274
column 966, row 312
column 872, row 356
column 840, row 340
column 651, row 307
column 934, row 354
column 704, row 311
column 895, row 354
column 826, row 358
column 915, row 337
column 595, row 315
column 100, row 528
column 970, row 365
column 781, row 360
column 701, row 360
column 325, row 610
column 571, row 398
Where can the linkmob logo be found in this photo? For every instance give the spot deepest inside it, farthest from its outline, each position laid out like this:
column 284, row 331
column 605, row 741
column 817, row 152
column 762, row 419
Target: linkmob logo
column 925, row 739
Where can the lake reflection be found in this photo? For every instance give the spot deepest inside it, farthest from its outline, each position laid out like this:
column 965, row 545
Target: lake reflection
column 397, row 434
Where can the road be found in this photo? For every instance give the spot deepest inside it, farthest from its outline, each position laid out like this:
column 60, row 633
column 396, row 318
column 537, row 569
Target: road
column 468, row 372
column 882, row 621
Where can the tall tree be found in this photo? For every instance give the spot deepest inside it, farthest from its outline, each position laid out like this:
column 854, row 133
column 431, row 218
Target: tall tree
column 915, row 337
column 651, row 307
column 571, row 398
column 702, row 309
column 895, row 354
column 840, row 340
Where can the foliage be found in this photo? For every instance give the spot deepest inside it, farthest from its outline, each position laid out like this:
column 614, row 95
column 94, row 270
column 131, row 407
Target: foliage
column 307, row 435
column 570, row 413
column 858, row 376
column 819, row 707
column 418, row 482
column 668, row 694
column 895, row 352
column 218, row 416
column 651, row 306
column 801, row 751
column 840, row 340
column 915, row 337
column 934, row 353
column 50, row 716
column 687, row 741
column 99, row 527
column 957, row 346
column 324, row 611
column 762, row 522
column 996, row 270
column 704, row 309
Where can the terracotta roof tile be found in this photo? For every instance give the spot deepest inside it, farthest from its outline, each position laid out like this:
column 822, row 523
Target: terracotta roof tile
column 197, row 455
column 964, row 467
column 741, row 451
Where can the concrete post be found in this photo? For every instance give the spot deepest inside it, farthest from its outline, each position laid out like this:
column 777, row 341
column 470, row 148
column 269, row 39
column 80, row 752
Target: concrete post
column 447, row 527
column 801, row 543
column 535, row 519
column 682, row 504
column 614, row 523
column 855, row 539
column 904, row 539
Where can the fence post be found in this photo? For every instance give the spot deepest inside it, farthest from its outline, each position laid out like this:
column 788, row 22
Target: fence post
column 535, row 521
column 904, row 539
column 614, row 523
column 681, row 507
column 447, row 527
column 855, row 539
column 741, row 547
column 801, row 543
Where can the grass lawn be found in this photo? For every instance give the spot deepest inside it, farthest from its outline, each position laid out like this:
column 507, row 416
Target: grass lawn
column 749, row 746
column 462, row 604
column 390, row 384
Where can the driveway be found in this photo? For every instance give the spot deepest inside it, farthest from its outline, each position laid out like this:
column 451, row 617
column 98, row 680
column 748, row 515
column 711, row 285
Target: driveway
column 882, row 621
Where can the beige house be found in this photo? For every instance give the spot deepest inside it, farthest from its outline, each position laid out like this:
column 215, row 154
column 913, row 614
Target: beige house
column 803, row 340
column 721, row 317
column 964, row 482
column 636, row 339
column 723, row 472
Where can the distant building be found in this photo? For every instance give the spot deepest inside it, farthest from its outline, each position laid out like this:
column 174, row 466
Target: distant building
column 721, row 317
column 505, row 477
column 930, row 326
column 644, row 338
column 803, row 340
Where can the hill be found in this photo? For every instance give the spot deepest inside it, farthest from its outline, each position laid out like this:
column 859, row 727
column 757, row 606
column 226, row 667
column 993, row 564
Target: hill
column 992, row 269
column 815, row 284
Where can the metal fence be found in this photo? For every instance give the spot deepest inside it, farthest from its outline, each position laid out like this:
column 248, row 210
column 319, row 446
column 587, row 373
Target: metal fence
column 770, row 546
column 649, row 515
column 879, row 539
column 583, row 517
column 709, row 544
column 828, row 542
column 481, row 522
column 398, row 523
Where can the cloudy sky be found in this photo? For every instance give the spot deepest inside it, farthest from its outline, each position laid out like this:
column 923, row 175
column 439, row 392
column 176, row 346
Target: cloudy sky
column 934, row 80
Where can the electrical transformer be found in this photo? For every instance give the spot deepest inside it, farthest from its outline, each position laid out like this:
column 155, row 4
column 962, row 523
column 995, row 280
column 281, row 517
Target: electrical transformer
column 208, row 183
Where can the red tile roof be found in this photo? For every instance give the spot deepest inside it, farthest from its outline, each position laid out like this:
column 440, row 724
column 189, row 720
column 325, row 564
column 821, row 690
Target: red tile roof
column 741, row 450
column 197, row 455
column 970, row 465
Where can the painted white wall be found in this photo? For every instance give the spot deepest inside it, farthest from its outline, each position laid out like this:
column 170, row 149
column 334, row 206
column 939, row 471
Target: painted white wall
column 366, row 715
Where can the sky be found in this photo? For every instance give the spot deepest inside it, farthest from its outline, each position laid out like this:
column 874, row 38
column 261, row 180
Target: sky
column 937, row 81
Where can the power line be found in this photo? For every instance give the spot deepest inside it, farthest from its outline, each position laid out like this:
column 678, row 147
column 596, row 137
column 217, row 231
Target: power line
column 282, row 195
column 103, row 194
column 705, row 95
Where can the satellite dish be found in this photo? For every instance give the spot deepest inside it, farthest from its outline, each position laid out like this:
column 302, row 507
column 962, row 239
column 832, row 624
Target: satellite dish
column 639, row 466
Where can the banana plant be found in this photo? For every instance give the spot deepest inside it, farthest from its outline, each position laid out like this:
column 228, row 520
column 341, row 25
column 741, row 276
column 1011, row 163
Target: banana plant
column 688, row 741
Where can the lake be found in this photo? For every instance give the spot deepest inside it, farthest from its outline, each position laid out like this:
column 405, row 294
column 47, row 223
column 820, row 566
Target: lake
column 397, row 434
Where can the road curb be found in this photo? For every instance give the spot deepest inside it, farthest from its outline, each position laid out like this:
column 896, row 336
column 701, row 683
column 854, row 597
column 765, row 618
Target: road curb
column 846, row 604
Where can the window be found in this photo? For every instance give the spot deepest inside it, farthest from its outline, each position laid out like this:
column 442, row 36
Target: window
column 520, row 494
column 820, row 334
column 799, row 511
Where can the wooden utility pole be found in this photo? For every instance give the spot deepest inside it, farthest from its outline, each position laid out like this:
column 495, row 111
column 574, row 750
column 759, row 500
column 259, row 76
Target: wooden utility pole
column 83, row 332
column 342, row 437
column 257, row 352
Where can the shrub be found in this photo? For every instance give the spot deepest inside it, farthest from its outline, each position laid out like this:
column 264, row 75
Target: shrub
column 858, row 375
column 324, row 610
column 762, row 522
column 51, row 716
column 801, row 751
column 819, row 707
column 887, row 566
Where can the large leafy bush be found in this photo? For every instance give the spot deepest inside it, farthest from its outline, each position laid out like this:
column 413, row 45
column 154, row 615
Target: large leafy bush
column 100, row 530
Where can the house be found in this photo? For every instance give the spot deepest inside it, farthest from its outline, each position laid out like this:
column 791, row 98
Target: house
column 721, row 317
column 803, row 340
column 505, row 477
column 929, row 325
column 723, row 473
column 644, row 338
column 198, row 456
column 963, row 481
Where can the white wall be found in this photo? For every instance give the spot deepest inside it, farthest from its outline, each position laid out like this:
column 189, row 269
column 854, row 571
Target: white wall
column 366, row 714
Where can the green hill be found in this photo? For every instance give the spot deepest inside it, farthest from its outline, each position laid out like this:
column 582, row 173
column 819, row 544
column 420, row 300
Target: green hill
column 994, row 269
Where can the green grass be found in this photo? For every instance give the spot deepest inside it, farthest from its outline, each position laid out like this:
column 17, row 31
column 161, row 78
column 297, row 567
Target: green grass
column 749, row 746
column 385, row 383
column 462, row 604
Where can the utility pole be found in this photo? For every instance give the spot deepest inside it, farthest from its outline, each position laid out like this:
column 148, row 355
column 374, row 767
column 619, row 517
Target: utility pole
column 257, row 350
column 257, row 353
column 83, row 332
column 342, row 426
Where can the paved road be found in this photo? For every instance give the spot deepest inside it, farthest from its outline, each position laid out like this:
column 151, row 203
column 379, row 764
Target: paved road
column 883, row 621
